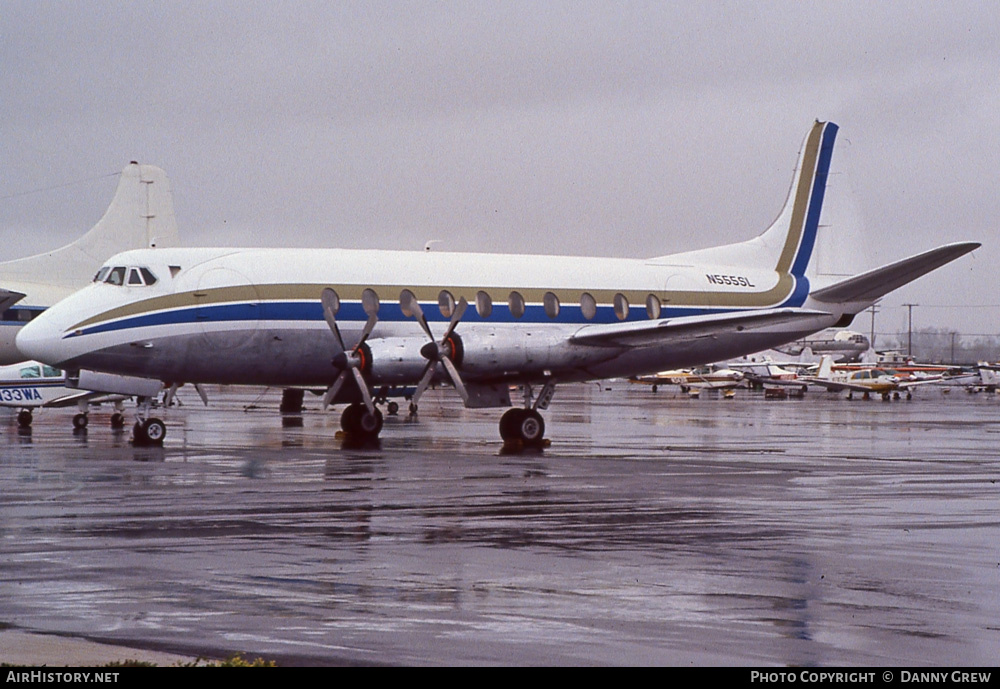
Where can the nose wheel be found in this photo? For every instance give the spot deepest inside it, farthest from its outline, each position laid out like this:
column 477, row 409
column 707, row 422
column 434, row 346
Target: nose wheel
column 524, row 425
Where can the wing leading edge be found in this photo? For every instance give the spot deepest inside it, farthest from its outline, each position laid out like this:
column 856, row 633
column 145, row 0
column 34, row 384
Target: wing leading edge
column 659, row 332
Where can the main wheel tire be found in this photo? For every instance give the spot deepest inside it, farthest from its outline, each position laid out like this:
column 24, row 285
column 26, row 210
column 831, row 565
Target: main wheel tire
column 509, row 422
column 154, row 430
column 24, row 418
column 80, row 421
column 117, row 421
column 358, row 421
column 531, row 428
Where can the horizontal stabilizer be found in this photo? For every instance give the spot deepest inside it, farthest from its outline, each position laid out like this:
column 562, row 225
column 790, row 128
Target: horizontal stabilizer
column 649, row 333
column 874, row 284
column 8, row 298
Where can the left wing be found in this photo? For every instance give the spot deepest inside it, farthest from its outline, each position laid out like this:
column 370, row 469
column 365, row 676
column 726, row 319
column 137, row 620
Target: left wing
column 648, row 333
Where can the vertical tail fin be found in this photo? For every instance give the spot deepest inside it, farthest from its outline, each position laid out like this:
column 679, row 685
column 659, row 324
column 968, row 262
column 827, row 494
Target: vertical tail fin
column 792, row 236
column 788, row 243
column 141, row 215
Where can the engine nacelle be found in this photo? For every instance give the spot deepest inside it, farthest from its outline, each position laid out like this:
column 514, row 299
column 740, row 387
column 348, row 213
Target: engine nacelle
column 114, row 384
column 396, row 360
column 518, row 351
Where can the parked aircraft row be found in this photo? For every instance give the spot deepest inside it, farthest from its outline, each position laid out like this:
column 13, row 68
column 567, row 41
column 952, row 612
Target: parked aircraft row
column 354, row 321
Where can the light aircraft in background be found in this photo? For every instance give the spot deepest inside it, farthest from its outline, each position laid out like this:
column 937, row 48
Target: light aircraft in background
column 714, row 377
column 868, row 380
column 352, row 321
column 31, row 385
column 141, row 215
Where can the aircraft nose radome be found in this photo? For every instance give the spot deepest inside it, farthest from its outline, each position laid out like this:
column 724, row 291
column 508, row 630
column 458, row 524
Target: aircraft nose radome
column 41, row 340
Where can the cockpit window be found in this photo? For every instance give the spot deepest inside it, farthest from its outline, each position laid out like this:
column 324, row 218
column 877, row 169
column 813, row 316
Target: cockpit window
column 51, row 372
column 31, row 372
column 116, row 276
column 121, row 275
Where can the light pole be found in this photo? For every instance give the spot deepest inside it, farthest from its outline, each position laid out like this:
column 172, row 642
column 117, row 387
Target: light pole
column 909, row 330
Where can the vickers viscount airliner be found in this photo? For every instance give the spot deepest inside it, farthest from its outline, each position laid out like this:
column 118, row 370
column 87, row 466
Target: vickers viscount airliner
column 354, row 322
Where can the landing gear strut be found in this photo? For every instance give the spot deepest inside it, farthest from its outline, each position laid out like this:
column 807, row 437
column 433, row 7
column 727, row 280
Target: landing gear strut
column 525, row 424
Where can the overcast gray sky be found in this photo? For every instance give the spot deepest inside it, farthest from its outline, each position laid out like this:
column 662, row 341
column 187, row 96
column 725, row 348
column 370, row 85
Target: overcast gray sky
column 587, row 128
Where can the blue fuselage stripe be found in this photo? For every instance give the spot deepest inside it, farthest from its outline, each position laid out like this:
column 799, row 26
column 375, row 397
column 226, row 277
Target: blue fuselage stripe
column 312, row 312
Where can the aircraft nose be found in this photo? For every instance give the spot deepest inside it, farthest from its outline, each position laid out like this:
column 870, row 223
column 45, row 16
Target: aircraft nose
column 41, row 340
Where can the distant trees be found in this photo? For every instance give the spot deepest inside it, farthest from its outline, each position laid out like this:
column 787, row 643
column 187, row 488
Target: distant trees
column 938, row 345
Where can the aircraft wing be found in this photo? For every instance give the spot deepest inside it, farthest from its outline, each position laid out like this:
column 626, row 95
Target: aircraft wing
column 8, row 298
column 658, row 332
column 874, row 284
column 71, row 399
column 838, row 386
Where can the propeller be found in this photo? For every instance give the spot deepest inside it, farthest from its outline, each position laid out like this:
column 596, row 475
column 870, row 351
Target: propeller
column 349, row 362
column 435, row 352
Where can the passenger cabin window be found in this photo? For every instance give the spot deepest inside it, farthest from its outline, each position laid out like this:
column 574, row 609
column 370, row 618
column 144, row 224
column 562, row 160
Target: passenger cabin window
column 551, row 303
column 51, row 372
column 30, row 372
column 652, row 307
column 446, row 303
column 621, row 306
column 515, row 302
column 588, row 306
column 484, row 304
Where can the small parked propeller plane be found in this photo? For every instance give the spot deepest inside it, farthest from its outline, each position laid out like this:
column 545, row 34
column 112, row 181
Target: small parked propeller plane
column 354, row 321
column 30, row 385
column 868, row 380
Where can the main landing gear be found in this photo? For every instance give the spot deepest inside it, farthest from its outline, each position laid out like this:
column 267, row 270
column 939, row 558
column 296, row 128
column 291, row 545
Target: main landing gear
column 361, row 424
column 525, row 426
column 522, row 425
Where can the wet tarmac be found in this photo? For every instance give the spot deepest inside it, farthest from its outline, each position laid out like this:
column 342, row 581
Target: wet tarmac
column 656, row 529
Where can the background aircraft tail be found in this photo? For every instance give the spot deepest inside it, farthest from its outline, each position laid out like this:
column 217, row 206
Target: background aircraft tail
column 788, row 243
column 141, row 215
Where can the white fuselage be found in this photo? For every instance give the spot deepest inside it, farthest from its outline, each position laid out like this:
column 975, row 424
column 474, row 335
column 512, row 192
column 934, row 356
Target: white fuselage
column 253, row 316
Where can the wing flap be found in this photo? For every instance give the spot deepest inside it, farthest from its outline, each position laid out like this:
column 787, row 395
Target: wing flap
column 867, row 287
column 649, row 333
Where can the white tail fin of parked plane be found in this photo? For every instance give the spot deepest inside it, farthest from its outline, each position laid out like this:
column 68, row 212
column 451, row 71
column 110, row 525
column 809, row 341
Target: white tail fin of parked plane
column 141, row 215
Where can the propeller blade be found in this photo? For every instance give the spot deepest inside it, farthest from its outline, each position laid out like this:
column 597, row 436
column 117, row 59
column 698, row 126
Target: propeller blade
column 456, row 316
column 425, row 380
column 331, row 305
column 456, row 380
column 421, row 318
column 363, row 387
column 331, row 392
column 369, row 326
